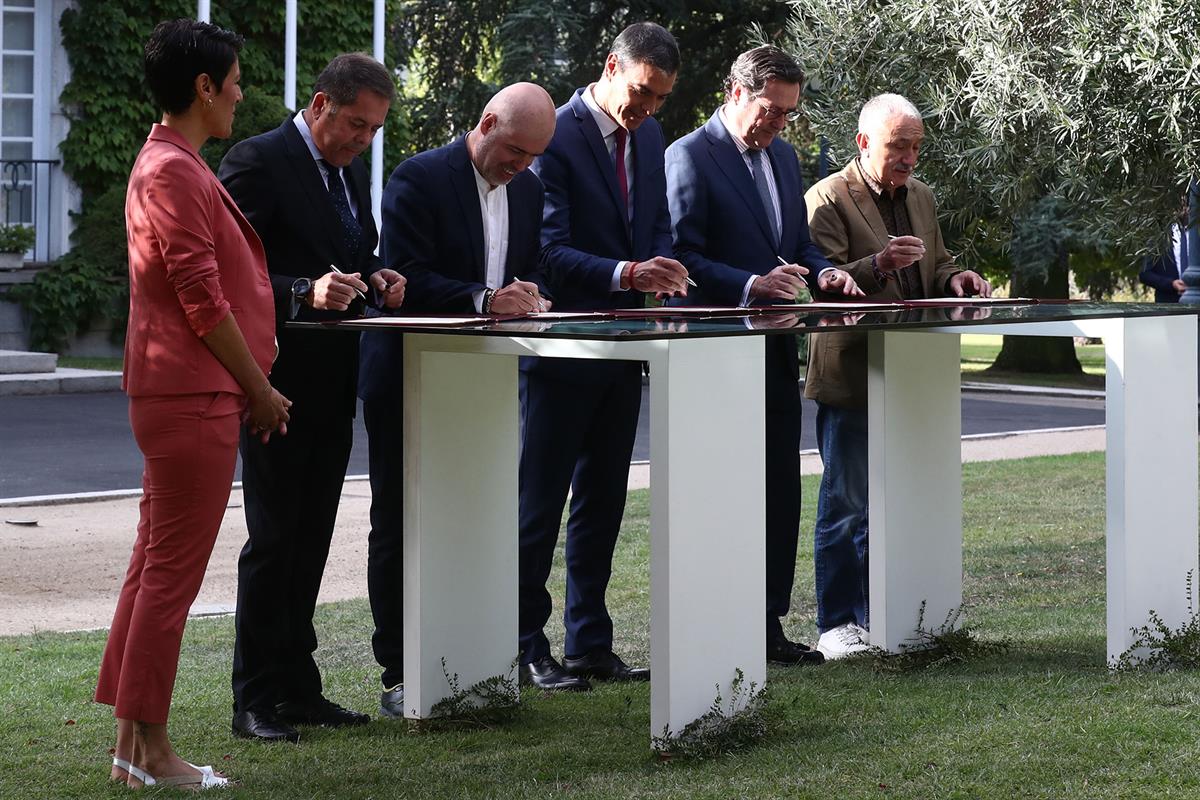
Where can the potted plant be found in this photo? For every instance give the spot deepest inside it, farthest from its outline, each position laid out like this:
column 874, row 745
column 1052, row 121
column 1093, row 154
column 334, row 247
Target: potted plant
column 15, row 241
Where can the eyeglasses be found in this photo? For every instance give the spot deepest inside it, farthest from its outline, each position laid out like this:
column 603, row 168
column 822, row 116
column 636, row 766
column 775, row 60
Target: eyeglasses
column 774, row 112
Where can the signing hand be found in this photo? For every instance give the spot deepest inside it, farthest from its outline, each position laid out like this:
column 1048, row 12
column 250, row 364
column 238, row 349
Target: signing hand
column 267, row 411
column 519, row 297
column 838, row 281
column 389, row 284
column 900, row 252
column 334, row 291
column 782, row 283
column 965, row 284
column 666, row 277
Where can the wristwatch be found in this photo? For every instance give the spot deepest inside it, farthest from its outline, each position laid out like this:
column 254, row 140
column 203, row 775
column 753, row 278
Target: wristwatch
column 302, row 291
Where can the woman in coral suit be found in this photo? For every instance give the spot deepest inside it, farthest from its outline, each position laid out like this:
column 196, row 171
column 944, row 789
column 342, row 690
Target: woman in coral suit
column 197, row 353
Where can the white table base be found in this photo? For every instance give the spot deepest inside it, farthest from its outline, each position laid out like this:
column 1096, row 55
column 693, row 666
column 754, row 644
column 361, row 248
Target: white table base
column 916, row 484
column 707, row 570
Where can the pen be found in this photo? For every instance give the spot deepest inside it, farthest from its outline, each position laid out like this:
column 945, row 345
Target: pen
column 691, row 283
column 781, row 261
column 541, row 305
column 361, row 296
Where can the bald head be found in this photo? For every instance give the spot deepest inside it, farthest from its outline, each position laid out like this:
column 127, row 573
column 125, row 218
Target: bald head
column 515, row 127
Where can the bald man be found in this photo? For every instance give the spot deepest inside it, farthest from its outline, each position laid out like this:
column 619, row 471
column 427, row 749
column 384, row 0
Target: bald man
column 463, row 224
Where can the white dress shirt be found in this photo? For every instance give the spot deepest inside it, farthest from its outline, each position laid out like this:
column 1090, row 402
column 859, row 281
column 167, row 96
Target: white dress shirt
column 493, row 206
column 306, row 135
column 608, row 130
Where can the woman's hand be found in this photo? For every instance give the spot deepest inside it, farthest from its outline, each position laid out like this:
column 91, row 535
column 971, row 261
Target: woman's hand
column 267, row 412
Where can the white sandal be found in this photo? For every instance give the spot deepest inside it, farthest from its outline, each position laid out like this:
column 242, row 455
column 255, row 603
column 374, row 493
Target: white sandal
column 207, row 779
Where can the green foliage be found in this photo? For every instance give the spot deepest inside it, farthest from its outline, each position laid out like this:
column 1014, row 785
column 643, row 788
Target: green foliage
column 1077, row 117
column 1157, row 647
column 931, row 648
column 106, row 100
column 723, row 728
column 89, row 283
column 460, row 53
column 489, row 701
column 16, row 238
column 257, row 113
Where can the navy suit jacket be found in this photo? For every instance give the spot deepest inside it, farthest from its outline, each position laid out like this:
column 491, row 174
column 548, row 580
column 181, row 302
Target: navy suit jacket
column 433, row 235
column 1161, row 271
column 275, row 182
column 585, row 231
column 720, row 225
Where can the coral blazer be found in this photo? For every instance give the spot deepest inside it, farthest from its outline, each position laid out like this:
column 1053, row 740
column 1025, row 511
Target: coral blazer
column 193, row 259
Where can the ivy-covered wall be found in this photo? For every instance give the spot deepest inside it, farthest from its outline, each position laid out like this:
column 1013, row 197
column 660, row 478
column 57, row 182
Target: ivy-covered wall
column 111, row 113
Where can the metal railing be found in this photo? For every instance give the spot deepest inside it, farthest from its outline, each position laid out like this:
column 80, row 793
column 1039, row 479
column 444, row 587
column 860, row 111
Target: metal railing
column 26, row 195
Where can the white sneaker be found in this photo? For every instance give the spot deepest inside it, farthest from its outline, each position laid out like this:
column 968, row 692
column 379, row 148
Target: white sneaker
column 842, row 641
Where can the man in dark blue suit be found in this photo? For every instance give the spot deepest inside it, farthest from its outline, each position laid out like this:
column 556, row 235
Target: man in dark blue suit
column 462, row 223
column 1164, row 272
column 737, row 205
column 606, row 239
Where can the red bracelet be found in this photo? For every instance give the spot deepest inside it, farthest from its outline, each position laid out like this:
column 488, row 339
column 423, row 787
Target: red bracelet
column 627, row 275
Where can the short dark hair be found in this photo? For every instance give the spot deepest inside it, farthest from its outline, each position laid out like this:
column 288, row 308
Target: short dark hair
column 647, row 43
column 754, row 68
column 346, row 75
column 180, row 50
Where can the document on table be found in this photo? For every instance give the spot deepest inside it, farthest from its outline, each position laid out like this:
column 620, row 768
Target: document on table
column 424, row 322
column 970, row 301
column 833, row 308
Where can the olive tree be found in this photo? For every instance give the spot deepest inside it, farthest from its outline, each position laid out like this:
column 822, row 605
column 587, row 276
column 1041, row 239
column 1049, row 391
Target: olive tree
column 1058, row 132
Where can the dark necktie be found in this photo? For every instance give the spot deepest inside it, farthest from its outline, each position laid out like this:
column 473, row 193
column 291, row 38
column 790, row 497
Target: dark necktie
column 764, row 193
column 350, row 227
column 1183, row 251
column 622, row 177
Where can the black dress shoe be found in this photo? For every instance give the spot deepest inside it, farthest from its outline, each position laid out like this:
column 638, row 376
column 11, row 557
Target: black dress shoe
column 319, row 711
column 263, row 724
column 782, row 651
column 604, row 665
column 548, row 674
column 391, row 702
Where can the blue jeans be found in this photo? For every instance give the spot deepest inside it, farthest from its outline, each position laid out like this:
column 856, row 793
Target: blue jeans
column 840, row 536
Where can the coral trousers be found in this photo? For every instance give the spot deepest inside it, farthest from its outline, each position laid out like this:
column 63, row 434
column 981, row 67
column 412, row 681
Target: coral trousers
column 189, row 445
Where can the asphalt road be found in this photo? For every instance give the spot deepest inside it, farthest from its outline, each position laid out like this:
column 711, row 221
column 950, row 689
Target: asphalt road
column 60, row 444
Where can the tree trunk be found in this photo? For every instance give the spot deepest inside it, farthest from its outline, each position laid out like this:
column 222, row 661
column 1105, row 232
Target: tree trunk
column 1052, row 354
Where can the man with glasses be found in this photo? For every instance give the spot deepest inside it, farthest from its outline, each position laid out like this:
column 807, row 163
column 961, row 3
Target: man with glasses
column 741, row 229
column 881, row 224
column 606, row 240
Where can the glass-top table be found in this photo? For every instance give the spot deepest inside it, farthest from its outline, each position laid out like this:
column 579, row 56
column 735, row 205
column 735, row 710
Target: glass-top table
column 707, row 472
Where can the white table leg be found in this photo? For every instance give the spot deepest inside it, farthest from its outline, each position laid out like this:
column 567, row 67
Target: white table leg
column 708, row 557
column 460, row 520
column 915, row 470
column 1152, row 472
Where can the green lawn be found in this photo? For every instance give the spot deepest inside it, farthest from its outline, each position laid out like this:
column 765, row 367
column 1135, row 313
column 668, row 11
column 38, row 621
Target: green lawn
column 979, row 351
column 1045, row 720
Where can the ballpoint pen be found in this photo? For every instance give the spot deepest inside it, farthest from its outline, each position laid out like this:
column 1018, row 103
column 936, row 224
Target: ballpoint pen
column 361, row 296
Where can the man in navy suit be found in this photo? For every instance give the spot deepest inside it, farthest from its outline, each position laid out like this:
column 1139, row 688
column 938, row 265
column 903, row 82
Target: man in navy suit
column 737, row 205
column 463, row 223
column 606, row 239
column 307, row 194
column 1165, row 271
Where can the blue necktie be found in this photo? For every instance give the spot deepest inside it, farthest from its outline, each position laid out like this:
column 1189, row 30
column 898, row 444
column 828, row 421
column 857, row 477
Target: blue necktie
column 764, row 192
column 350, row 227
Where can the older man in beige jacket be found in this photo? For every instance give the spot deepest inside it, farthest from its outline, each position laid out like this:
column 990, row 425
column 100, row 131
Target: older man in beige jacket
column 880, row 224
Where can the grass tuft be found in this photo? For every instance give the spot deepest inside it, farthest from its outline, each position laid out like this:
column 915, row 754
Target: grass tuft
column 933, row 648
column 1157, row 647
column 723, row 729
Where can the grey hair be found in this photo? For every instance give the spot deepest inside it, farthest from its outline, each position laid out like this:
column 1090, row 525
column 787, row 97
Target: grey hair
column 882, row 106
